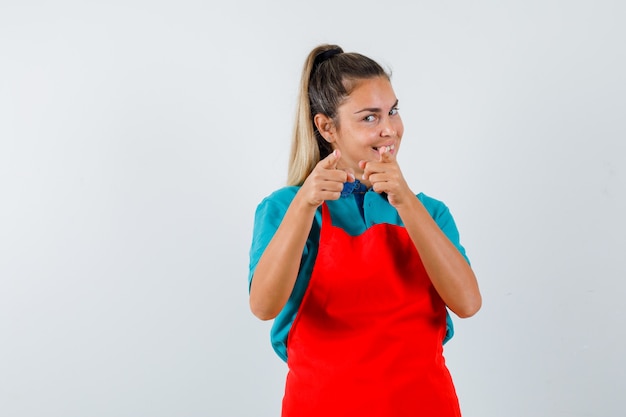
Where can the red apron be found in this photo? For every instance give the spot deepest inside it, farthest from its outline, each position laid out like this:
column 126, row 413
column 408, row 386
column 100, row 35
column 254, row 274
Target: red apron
column 367, row 339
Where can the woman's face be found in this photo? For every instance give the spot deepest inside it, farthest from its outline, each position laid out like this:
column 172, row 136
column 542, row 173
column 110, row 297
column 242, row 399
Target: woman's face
column 367, row 120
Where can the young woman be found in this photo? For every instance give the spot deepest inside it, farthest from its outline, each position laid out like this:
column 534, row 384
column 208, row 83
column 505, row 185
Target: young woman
column 357, row 271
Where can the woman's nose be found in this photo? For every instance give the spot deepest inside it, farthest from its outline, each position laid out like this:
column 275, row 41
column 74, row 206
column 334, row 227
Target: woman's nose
column 388, row 129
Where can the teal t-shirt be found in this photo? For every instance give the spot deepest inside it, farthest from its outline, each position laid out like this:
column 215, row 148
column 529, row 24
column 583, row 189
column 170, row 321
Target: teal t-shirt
column 353, row 212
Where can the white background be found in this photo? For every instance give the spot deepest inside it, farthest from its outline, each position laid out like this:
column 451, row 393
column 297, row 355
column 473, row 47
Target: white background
column 137, row 138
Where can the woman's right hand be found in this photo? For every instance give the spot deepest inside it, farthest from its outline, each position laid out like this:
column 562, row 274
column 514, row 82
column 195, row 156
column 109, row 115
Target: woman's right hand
column 277, row 270
column 325, row 182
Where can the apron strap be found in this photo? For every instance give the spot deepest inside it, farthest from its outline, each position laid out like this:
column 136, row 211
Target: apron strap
column 326, row 219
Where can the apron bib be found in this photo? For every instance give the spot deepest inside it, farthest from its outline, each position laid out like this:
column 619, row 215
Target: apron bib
column 367, row 339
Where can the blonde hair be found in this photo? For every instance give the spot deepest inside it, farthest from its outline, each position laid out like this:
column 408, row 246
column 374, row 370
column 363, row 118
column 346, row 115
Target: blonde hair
column 328, row 77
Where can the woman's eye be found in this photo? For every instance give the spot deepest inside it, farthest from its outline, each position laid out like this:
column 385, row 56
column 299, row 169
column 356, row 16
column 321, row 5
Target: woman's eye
column 394, row 111
column 369, row 118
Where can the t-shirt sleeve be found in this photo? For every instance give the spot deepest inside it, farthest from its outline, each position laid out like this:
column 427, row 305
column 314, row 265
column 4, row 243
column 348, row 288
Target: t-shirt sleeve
column 268, row 216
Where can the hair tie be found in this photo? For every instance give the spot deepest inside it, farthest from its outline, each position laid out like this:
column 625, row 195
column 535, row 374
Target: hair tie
column 324, row 56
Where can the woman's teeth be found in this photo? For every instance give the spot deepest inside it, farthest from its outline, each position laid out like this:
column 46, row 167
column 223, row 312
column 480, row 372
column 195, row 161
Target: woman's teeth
column 385, row 148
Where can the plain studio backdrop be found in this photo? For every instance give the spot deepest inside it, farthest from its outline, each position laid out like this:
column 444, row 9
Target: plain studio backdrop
column 137, row 138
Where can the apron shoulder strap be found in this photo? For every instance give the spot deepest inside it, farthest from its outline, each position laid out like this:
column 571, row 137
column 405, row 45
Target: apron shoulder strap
column 326, row 219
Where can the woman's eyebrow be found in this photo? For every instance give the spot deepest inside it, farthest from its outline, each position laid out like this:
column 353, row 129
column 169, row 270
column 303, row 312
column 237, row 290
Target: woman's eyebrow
column 375, row 109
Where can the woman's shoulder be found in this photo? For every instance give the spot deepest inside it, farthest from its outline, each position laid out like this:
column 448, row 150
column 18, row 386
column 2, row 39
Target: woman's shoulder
column 281, row 196
column 433, row 205
column 279, row 200
column 430, row 201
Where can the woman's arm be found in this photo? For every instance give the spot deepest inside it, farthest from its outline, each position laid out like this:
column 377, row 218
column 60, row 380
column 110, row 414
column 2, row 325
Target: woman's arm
column 448, row 270
column 277, row 269
column 276, row 272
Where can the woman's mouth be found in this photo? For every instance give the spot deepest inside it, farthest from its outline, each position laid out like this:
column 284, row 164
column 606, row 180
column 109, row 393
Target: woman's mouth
column 385, row 148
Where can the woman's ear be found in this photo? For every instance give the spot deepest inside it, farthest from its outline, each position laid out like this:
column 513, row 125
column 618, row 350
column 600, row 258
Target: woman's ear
column 325, row 126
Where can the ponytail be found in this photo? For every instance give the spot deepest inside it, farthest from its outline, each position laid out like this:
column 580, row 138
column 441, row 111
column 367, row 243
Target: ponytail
column 328, row 77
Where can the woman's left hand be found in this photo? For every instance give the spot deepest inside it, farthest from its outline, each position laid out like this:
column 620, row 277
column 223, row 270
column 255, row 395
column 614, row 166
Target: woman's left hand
column 385, row 176
column 447, row 269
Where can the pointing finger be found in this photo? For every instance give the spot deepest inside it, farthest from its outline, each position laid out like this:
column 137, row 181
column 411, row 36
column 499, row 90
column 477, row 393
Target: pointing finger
column 330, row 162
column 385, row 154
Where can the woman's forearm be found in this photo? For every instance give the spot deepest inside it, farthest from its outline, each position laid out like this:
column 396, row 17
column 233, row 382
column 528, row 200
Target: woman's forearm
column 277, row 269
column 448, row 270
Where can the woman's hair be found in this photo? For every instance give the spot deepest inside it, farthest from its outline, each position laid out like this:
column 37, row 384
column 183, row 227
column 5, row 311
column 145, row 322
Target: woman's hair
column 328, row 77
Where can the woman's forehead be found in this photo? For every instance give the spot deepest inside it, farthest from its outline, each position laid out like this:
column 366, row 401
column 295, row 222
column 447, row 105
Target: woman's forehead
column 371, row 92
